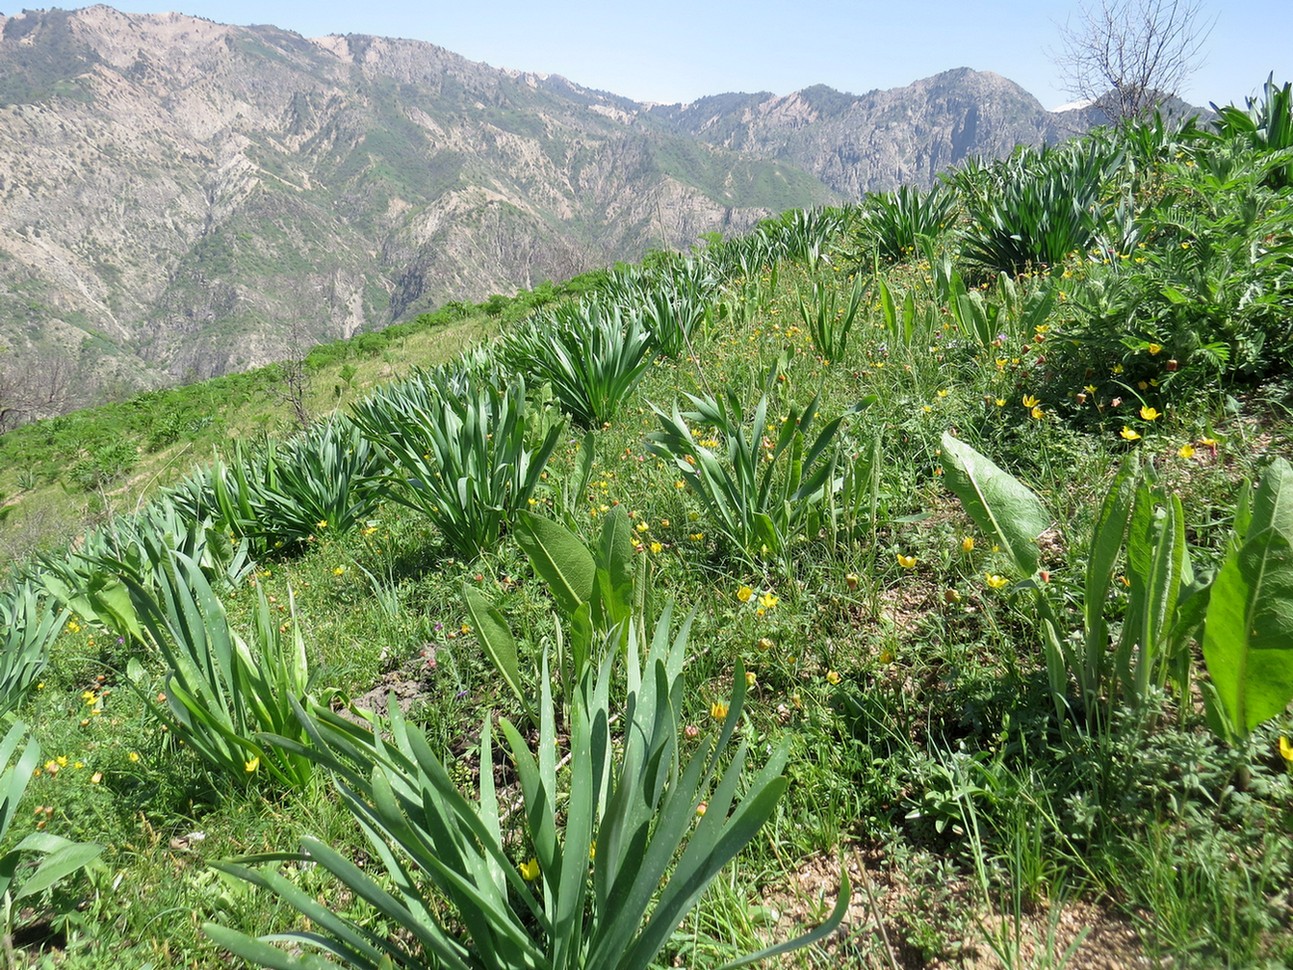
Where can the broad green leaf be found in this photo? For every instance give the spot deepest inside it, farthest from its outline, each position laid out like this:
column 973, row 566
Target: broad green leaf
column 559, row 556
column 61, row 862
column 1248, row 630
column 494, row 636
column 1002, row 506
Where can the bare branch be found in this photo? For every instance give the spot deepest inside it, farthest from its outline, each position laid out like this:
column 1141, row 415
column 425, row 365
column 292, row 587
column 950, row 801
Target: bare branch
column 1128, row 56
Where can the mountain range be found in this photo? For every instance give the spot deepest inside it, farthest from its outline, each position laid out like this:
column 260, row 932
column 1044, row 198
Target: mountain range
column 181, row 198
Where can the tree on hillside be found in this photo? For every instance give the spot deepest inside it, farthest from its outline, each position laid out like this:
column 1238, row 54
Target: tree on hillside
column 1128, row 56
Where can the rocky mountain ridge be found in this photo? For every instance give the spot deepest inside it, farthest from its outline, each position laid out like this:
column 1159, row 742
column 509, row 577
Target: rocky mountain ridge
column 181, row 198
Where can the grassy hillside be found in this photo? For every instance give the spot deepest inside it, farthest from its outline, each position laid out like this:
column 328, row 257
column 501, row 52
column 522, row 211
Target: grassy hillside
column 955, row 525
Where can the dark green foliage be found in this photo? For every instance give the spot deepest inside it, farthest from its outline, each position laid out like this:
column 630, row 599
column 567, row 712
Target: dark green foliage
column 891, row 224
column 1047, row 208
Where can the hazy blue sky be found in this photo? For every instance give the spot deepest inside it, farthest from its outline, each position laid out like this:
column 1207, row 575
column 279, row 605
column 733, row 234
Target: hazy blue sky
column 671, row 51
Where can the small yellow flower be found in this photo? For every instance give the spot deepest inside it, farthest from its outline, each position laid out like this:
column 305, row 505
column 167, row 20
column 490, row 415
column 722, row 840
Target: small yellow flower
column 1155, row 349
column 744, row 593
column 832, row 677
column 751, row 678
column 764, row 644
column 321, row 524
column 1150, row 414
column 1128, row 435
column 529, row 870
column 664, row 523
column 995, row 581
column 96, row 778
column 1286, row 749
column 251, row 766
column 89, row 696
column 768, row 600
column 133, row 757
column 1030, row 401
column 1001, row 402
column 643, row 527
column 718, row 710
column 592, row 850
column 339, row 571
column 656, row 548
column 967, row 544
column 1037, row 414
column 1186, row 450
column 906, row 562
column 62, row 760
column 943, row 393
column 1118, row 368
column 851, row 580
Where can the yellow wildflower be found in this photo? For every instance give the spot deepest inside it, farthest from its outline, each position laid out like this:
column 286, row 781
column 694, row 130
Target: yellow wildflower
column 251, row 766
column 1286, row 749
column 529, row 870
column 718, row 710
column 339, row 571
column 1128, row 435
column 996, row 582
column 967, row 544
column 1155, row 349
column 768, row 600
column 744, row 593
column 1150, row 414
column 832, row 677
column 1186, row 450
column 1030, row 401
column 1037, row 414
column 656, row 548
column 906, row 562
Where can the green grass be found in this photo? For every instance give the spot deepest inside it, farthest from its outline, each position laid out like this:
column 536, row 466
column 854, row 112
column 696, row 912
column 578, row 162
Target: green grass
column 911, row 689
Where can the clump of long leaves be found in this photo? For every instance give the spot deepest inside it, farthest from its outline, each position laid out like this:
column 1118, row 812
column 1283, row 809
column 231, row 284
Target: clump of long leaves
column 223, row 690
column 764, row 483
column 462, row 451
column 891, row 224
column 591, row 354
column 1045, row 209
column 613, row 853
column 675, row 304
column 830, row 320
column 1266, row 124
column 60, row 857
column 89, row 580
column 326, row 478
column 28, row 624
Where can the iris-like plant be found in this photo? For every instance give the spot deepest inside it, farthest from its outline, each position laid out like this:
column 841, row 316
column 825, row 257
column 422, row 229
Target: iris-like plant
column 829, row 321
column 462, row 450
column 591, row 354
column 223, row 691
column 614, row 852
column 28, row 624
column 891, row 224
column 325, row 478
column 60, row 857
column 1044, row 209
column 768, row 484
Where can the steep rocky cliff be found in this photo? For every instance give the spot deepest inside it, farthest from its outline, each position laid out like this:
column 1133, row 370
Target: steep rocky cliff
column 181, row 198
